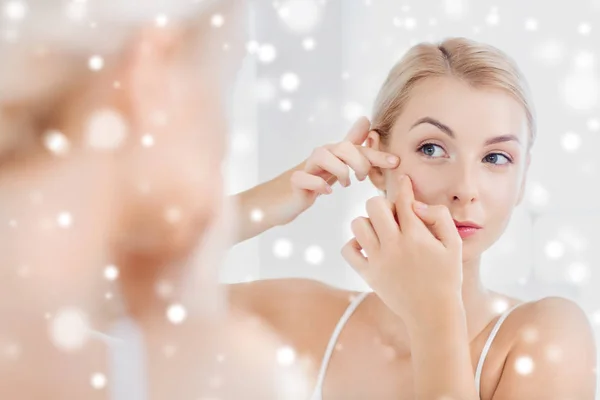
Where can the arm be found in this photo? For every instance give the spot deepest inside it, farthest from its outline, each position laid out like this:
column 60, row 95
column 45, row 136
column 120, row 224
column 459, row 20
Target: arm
column 441, row 355
column 266, row 206
column 280, row 200
column 562, row 360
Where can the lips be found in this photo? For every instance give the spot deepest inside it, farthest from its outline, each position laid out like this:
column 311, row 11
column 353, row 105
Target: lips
column 466, row 224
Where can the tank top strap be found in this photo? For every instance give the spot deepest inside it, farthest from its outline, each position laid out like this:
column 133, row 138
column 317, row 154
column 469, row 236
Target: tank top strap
column 488, row 344
column 333, row 340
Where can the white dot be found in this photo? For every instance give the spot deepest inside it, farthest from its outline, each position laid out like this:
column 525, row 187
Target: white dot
column 220, row 358
column 217, row 20
column 117, row 85
column 550, row 52
column 300, row 16
column 524, row 365
column 173, row 215
column 164, row 289
column 538, row 195
column 593, row 124
column 267, row 53
column 405, row 8
column 98, row 381
column 106, row 130
column 454, row 8
column 290, row 82
column 531, row 24
column 352, row 111
column 64, row 219
column 15, row 10
column 555, row 249
column 285, row 105
column 176, row 313
column 584, row 29
column 283, row 248
column 345, row 75
column 252, row 47
column 108, row 295
column 111, row 272
column 554, row 353
column 12, row 351
column 531, row 335
column 584, row 60
column 578, row 273
column 69, row 329
column 581, row 90
column 571, row 141
column 286, row 356
column 76, row 10
column 492, row 19
column 265, row 91
column 257, row 215
column 410, row 23
column 169, row 350
column 596, row 318
column 96, row 63
column 12, row 223
column 56, row 142
column 314, row 255
column 147, row 140
column 162, row 20
column 309, row 44
column 432, row 21
column 500, row 306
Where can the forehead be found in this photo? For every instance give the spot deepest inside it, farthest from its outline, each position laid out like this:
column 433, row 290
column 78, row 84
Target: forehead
column 483, row 111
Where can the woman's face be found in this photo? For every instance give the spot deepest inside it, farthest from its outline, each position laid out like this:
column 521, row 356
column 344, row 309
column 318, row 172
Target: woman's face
column 128, row 172
column 466, row 149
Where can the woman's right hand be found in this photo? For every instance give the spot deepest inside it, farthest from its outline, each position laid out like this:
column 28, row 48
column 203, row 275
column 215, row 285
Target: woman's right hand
column 332, row 163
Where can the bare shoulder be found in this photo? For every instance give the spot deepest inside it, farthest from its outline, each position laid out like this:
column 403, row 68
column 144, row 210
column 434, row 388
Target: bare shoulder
column 553, row 339
column 272, row 297
column 303, row 312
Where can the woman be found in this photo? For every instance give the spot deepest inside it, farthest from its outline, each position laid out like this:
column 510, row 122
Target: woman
column 458, row 117
column 111, row 130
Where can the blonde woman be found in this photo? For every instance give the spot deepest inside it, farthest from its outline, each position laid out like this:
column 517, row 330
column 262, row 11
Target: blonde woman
column 111, row 143
column 458, row 116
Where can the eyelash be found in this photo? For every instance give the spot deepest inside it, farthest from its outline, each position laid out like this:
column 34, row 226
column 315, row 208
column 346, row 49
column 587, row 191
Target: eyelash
column 508, row 158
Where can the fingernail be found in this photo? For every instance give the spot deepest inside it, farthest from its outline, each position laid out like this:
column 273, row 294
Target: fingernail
column 392, row 160
column 328, row 189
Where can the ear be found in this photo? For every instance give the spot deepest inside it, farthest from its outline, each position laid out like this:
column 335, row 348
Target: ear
column 522, row 190
column 376, row 174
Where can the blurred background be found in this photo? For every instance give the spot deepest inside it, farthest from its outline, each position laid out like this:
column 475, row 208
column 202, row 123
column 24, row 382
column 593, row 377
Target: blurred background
column 314, row 66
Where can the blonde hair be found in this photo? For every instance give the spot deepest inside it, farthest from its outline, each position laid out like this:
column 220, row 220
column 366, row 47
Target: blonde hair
column 478, row 64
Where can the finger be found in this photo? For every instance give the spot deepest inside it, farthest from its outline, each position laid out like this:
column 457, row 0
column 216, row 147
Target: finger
column 365, row 235
column 403, row 198
column 352, row 156
column 353, row 255
column 322, row 160
column 380, row 159
column 305, row 181
column 440, row 223
column 381, row 214
column 359, row 131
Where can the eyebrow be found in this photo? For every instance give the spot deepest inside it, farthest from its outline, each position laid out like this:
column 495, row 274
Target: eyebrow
column 448, row 131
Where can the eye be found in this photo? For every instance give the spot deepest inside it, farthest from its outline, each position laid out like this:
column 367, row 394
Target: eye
column 497, row 159
column 429, row 150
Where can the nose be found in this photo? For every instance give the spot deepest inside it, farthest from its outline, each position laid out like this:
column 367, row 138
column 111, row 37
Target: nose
column 464, row 189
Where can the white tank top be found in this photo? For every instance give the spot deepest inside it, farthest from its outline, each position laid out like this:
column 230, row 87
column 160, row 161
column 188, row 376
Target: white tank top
column 318, row 392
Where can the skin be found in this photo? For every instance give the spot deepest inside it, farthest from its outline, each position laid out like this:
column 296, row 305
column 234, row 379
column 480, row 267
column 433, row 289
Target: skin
column 389, row 348
column 118, row 200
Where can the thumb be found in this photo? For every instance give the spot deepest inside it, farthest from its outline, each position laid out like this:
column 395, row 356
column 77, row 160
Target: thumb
column 440, row 223
column 359, row 131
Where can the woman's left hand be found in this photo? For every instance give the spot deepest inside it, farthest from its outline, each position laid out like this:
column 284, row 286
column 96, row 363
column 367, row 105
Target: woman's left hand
column 414, row 262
